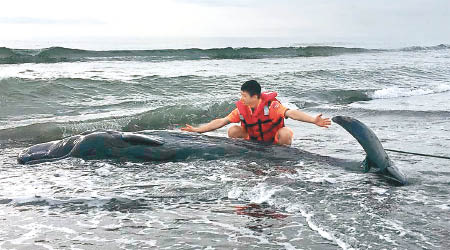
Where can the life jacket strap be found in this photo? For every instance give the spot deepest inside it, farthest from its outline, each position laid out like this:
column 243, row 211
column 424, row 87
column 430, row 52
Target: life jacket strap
column 261, row 133
column 257, row 123
column 274, row 125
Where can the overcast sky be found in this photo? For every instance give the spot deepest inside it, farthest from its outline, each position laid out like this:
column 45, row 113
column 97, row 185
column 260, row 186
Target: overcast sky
column 380, row 19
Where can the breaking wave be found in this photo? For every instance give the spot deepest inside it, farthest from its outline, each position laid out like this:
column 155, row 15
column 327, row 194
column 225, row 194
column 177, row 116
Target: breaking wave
column 60, row 54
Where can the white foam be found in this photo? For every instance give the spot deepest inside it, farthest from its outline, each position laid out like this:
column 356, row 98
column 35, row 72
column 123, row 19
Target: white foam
column 443, row 206
column 234, row 193
column 103, row 171
column 424, row 99
column 151, row 243
column 258, row 194
column 24, row 237
column 35, row 229
column 230, row 227
column 395, row 225
column 47, row 246
column 288, row 246
column 20, row 200
column 394, row 92
column 286, row 101
column 322, row 232
column 379, row 190
column 387, row 238
column 261, row 193
column 94, row 238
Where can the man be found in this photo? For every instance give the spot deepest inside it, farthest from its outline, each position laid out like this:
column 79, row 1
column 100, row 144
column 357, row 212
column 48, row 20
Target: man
column 261, row 116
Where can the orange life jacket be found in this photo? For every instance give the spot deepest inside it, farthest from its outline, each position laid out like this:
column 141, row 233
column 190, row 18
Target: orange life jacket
column 263, row 123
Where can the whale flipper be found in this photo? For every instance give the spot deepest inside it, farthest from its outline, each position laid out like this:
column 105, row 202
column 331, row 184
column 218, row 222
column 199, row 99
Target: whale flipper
column 376, row 155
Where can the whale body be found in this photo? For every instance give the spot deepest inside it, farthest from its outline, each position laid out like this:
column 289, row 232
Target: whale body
column 177, row 146
column 152, row 146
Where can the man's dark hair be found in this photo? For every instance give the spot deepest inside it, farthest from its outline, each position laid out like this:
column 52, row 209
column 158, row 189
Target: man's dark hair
column 252, row 87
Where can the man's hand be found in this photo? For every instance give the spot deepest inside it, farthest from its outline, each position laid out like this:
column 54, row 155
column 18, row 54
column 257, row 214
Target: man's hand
column 322, row 122
column 302, row 116
column 189, row 128
column 212, row 125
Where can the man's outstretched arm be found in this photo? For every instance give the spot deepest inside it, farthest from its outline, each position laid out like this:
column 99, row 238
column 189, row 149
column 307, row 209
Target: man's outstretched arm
column 213, row 125
column 302, row 116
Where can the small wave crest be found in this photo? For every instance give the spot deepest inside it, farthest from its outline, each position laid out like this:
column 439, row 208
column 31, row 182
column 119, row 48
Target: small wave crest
column 422, row 48
column 394, row 92
column 172, row 116
column 339, row 96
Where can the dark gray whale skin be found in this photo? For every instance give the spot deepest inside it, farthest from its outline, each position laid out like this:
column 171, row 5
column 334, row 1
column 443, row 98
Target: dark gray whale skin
column 152, row 146
column 180, row 146
column 376, row 155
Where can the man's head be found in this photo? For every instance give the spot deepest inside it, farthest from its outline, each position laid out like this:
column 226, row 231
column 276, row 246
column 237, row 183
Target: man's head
column 250, row 92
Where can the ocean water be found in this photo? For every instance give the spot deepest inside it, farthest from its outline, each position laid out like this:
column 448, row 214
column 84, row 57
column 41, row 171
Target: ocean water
column 51, row 91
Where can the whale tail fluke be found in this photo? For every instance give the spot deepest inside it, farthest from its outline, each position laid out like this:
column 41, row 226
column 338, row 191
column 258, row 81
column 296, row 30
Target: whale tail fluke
column 376, row 155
